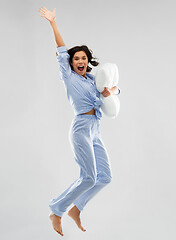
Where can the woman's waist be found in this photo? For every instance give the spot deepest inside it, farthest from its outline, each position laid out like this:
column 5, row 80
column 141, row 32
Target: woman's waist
column 91, row 112
column 86, row 111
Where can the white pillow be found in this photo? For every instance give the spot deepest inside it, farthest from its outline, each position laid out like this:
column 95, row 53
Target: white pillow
column 108, row 76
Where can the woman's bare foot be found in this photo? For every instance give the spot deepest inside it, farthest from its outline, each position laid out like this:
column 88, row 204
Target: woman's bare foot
column 56, row 222
column 74, row 213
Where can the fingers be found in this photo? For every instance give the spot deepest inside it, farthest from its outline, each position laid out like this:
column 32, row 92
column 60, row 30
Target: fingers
column 105, row 90
column 41, row 11
column 45, row 8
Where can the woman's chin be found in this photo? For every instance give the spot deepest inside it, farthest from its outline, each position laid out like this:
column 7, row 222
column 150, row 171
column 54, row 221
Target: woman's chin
column 81, row 73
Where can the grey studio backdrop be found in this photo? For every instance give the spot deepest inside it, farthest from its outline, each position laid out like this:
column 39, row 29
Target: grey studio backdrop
column 36, row 159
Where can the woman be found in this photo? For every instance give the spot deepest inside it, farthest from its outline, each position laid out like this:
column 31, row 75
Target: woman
column 85, row 138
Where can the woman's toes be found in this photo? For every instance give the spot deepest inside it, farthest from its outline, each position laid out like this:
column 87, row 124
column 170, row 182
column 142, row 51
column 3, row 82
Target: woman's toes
column 82, row 228
column 60, row 232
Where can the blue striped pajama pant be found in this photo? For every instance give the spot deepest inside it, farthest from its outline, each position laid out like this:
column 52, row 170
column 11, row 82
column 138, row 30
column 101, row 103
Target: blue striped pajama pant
column 92, row 157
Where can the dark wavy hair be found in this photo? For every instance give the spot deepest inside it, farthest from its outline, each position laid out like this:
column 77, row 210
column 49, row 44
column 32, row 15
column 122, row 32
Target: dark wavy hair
column 92, row 60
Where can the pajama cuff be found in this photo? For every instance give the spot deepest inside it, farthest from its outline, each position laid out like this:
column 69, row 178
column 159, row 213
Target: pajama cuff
column 76, row 203
column 56, row 212
column 61, row 49
column 118, row 91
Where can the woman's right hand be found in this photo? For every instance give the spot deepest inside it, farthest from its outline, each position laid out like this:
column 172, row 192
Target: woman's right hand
column 50, row 16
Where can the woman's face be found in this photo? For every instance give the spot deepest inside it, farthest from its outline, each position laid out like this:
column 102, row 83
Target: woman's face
column 80, row 63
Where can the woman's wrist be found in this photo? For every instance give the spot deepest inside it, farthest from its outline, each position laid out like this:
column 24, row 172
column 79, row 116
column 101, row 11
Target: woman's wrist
column 52, row 22
column 114, row 90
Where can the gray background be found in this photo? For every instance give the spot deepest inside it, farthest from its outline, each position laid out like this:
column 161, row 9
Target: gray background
column 36, row 159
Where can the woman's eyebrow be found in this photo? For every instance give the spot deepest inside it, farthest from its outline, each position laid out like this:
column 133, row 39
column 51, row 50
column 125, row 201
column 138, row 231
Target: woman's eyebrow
column 78, row 57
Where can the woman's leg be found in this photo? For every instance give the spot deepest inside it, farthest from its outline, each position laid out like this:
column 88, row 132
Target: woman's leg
column 84, row 155
column 104, row 175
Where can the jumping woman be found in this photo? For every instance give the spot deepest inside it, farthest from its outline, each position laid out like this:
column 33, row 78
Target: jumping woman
column 84, row 134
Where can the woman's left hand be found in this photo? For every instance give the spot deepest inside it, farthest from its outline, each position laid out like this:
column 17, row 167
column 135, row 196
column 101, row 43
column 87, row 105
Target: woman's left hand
column 106, row 92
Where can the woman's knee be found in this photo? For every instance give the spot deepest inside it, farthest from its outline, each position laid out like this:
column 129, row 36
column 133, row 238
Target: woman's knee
column 108, row 180
column 90, row 181
column 105, row 179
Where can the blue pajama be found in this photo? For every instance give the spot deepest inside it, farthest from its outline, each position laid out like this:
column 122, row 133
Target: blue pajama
column 92, row 157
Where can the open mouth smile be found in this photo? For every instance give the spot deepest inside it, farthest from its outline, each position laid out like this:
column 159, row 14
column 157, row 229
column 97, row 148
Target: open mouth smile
column 81, row 68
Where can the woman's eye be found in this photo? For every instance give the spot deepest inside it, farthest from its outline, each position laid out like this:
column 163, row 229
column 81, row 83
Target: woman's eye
column 76, row 59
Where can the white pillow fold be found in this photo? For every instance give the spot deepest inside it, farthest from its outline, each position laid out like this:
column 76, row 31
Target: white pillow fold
column 108, row 76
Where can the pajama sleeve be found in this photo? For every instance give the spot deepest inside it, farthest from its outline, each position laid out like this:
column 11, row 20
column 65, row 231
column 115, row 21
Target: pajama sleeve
column 64, row 65
column 118, row 91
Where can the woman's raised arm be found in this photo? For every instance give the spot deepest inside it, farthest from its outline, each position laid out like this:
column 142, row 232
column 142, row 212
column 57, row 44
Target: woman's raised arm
column 50, row 16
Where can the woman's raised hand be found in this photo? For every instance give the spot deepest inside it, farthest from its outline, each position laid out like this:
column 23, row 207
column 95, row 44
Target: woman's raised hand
column 50, row 16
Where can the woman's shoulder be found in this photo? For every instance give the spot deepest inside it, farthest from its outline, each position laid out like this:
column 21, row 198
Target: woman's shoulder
column 91, row 76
